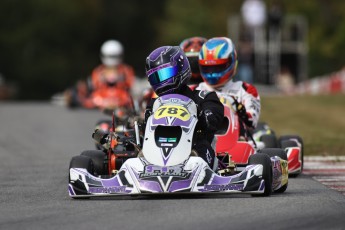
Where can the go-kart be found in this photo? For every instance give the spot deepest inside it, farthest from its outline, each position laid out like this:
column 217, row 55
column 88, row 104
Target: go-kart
column 106, row 98
column 166, row 163
column 292, row 144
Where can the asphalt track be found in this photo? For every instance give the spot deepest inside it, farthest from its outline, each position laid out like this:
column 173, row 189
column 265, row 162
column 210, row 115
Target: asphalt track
column 37, row 141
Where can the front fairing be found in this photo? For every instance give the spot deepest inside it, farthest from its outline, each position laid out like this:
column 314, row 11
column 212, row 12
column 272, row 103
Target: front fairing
column 137, row 176
column 169, row 130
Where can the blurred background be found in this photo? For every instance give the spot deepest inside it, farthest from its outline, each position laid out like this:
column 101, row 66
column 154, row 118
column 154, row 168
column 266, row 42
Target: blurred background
column 46, row 46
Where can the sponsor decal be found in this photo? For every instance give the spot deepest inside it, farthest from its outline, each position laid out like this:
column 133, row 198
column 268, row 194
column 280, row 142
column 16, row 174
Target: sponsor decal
column 163, row 171
column 175, row 100
column 163, row 139
column 114, row 189
column 223, row 187
column 172, row 140
column 167, row 145
column 167, row 140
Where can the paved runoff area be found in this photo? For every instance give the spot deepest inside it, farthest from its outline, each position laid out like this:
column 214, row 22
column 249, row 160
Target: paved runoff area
column 329, row 170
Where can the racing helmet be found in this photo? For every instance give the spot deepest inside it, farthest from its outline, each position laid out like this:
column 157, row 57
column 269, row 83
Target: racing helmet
column 167, row 69
column 218, row 61
column 111, row 53
column 191, row 47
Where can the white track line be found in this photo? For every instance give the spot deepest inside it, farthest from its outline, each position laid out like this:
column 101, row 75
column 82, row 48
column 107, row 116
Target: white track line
column 328, row 170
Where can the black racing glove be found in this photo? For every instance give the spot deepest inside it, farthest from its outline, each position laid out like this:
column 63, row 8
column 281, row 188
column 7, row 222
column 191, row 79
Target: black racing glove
column 100, row 136
column 208, row 120
column 242, row 114
column 241, row 111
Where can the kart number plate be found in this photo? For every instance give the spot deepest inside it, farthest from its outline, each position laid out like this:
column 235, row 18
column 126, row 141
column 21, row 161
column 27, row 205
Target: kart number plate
column 172, row 111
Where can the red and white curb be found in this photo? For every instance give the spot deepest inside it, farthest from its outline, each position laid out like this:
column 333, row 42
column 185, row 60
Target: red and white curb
column 329, row 170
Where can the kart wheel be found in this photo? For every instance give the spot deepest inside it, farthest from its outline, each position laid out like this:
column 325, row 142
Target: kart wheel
column 97, row 157
column 72, row 98
column 105, row 121
column 265, row 161
column 270, row 140
column 105, row 125
column 271, row 152
column 283, row 144
column 82, row 162
column 261, row 125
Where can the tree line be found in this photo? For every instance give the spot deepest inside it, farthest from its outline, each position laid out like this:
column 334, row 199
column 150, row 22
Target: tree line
column 45, row 46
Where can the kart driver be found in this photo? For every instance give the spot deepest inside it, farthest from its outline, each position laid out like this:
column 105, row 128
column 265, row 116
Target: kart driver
column 168, row 72
column 191, row 47
column 218, row 63
column 112, row 71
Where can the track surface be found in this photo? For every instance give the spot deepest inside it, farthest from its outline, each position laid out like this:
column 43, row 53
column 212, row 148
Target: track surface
column 37, row 141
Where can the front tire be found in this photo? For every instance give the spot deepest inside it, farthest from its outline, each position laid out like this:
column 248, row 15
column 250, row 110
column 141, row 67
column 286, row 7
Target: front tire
column 272, row 152
column 98, row 158
column 81, row 162
column 265, row 161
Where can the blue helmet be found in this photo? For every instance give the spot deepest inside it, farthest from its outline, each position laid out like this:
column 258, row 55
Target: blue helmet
column 167, row 69
column 218, row 61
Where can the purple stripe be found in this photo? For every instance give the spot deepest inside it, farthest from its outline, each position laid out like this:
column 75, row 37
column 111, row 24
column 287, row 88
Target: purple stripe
column 150, row 186
column 161, row 121
column 262, row 186
column 179, row 185
column 178, row 122
column 218, row 180
column 70, row 190
column 179, row 96
column 111, row 182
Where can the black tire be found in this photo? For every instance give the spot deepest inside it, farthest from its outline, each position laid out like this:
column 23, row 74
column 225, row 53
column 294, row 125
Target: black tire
column 107, row 121
column 261, row 125
column 284, row 144
column 271, row 152
column 265, row 161
column 72, row 100
column 292, row 137
column 270, row 140
column 81, row 162
column 97, row 157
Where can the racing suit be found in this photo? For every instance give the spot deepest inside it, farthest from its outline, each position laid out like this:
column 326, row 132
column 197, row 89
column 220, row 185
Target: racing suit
column 244, row 93
column 210, row 116
column 122, row 76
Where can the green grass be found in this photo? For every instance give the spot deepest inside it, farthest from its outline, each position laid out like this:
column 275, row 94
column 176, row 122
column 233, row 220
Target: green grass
column 319, row 120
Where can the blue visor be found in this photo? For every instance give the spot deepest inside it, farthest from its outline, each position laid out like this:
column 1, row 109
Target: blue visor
column 163, row 74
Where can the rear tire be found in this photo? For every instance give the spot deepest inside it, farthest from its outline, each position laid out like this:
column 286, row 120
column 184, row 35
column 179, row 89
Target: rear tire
column 290, row 138
column 270, row 140
column 265, row 161
column 71, row 97
column 271, row 152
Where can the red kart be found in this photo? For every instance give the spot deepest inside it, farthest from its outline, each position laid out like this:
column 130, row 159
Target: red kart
column 229, row 145
column 104, row 98
column 292, row 144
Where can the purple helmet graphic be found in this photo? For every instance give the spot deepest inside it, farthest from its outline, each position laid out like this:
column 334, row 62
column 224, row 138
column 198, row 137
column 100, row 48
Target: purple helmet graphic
column 167, row 69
